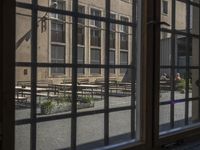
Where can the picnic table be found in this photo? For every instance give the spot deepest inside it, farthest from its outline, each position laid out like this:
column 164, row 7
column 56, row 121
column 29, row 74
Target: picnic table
column 83, row 88
column 22, row 92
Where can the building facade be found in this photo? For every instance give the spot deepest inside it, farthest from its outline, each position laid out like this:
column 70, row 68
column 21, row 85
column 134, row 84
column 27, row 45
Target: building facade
column 54, row 43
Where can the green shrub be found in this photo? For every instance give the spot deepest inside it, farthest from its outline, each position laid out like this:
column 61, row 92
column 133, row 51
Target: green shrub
column 87, row 99
column 180, row 85
column 46, row 107
column 62, row 99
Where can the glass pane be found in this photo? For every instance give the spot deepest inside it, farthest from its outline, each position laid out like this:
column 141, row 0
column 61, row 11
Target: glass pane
column 166, row 13
column 194, row 20
column 194, row 83
column 22, row 93
column 90, row 92
column 194, row 52
column 164, row 118
column 57, row 4
column 23, row 35
column 117, row 5
column 165, row 85
column 90, row 132
column 54, row 39
column 120, row 126
column 54, row 134
column 165, row 49
column 93, row 7
column 54, row 92
column 181, row 13
column 22, row 137
column 120, row 90
column 194, row 115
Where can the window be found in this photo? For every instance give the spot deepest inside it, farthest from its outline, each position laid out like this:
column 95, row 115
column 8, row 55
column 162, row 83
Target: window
column 81, row 9
column 112, row 32
column 95, row 59
column 95, row 35
column 95, row 12
column 60, row 5
column 81, row 58
column 112, row 61
column 81, row 35
column 71, row 112
column 165, row 7
column 124, row 41
column 57, row 56
column 123, row 61
column 124, row 28
column 57, row 31
column 124, row 34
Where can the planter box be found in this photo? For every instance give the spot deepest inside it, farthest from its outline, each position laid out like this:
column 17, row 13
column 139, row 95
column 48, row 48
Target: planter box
column 85, row 105
column 64, row 107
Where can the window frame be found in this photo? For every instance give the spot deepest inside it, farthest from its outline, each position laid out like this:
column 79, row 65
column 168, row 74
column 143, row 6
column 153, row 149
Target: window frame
column 7, row 111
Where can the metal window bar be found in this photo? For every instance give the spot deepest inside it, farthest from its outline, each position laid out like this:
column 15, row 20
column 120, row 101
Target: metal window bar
column 34, row 23
column 199, row 61
column 173, row 64
column 74, row 74
column 187, row 62
column 106, row 74
column 133, row 74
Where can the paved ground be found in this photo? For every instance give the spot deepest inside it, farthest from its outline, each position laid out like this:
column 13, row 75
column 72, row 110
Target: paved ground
column 54, row 135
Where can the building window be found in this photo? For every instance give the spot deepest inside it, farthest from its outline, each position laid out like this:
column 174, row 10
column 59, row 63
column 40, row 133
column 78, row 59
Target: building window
column 123, row 60
column 124, row 34
column 95, row 59
column 95, row 35
column 112, row 60
column 60, row 5
column 81, row 9
column 112, row 32
column 81, row 34
column 57, row 31
column 95, row 23
column 165, row 7
column 81, row 26
column 81, row 58
column 57, row 56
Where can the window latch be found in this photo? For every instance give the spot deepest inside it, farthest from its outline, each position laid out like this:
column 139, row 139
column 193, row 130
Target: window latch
column 158, row 23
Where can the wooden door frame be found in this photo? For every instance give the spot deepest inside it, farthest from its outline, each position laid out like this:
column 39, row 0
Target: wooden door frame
column 8, row 74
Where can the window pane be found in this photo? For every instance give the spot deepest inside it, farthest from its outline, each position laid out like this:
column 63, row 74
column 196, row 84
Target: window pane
column 123, row 60
column 23, row 35
column 181, row 16
column 120, row 126
column 57, row 32
column 57, row 56
column 124, row 41
column 95, row 59
column 22, row 137
column 112, row 60
column 54, row 134
column 90, row 136
column 95, row 35
column 22, row 93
